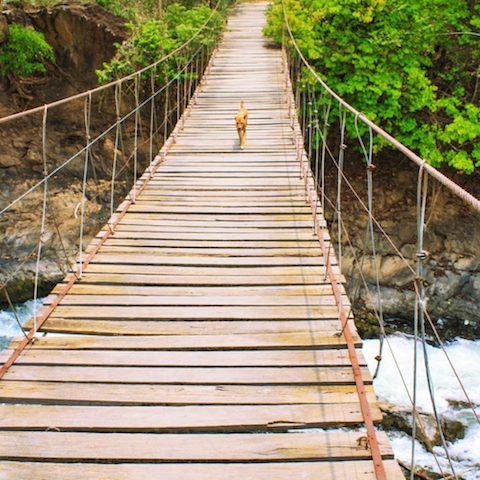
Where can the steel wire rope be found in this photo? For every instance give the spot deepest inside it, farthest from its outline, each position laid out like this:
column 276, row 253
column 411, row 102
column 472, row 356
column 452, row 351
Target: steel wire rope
column 451, row 364
column 394, row 357
column 43, row 219
column 422, row 190
column 416, row 290
column 370, row 169
column 118, row 101
column 389, row 239
column 415, row 412
column 87, row 119
column 387, row 341
column 14, row 311
column 135, row 144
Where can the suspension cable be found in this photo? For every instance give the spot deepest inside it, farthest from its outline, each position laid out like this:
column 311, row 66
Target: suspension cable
column 423, row 306
column 405, row 262
column 387, row 341
column 422, row 188
column 344, row 315
column 369, row 210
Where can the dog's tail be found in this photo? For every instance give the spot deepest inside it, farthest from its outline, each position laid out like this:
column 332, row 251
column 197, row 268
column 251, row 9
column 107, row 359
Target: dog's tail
column 242, row 104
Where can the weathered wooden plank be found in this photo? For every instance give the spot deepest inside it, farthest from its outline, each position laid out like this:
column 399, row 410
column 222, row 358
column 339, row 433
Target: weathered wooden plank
column 182, row 327
column 211, row 252
column 193, row 358
column 252, row 271
column 174, row 448
column 231, row 175
column 203, row 300
column 17, row 391
column 188, row 375
column 219, row 243
column 231, row 312
column 141, row 218
column 118, row 259
column 188, row 227
column 225, row 236
column 286, row 336
column 311, row 470
column 199, row 291
column 139, row 279
column 220, row 209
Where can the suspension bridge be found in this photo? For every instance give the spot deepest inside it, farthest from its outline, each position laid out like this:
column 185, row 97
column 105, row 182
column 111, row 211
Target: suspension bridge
column 207, row 333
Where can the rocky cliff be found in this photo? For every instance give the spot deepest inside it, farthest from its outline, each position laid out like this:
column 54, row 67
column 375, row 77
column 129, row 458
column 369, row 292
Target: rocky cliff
column 83, row 37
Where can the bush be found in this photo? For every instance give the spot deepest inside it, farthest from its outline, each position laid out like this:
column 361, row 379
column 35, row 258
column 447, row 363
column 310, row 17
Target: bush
column 153, row 39
column 25, row 52
column 409, row 66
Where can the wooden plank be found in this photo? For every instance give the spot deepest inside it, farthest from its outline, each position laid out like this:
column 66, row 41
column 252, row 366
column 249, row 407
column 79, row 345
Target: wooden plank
column 174, row 448
column 185, row 227
column 206, row 418
column 188, row 375
column 311, row 470
column 300, row 312
column 211, row 252
column 142, row 219
column 197, row 291
column 203, row 300
column 169, row 327
column 233, row 339
column 17, row 391
column 251, row 271
column 236, row 235
column 139, row 279
column 219, row 243
column 208, row 261
column 198, row 358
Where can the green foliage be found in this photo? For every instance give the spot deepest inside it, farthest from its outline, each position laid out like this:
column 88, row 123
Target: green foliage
column 25, row 52
column 153, row 39
column 141, row 10
column 122, row 8
column 406, row 65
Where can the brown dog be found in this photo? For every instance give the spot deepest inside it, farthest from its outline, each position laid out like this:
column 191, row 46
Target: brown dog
column 241, row 122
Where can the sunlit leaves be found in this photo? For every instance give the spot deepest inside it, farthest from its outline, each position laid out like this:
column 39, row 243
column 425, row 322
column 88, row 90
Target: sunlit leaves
column 407, row 65
column 25, row 52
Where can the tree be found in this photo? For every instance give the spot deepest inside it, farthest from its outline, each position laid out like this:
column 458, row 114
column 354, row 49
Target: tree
column 406, row 65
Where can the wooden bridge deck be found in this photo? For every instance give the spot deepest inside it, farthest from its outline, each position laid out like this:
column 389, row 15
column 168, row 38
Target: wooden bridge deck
column 205, row 340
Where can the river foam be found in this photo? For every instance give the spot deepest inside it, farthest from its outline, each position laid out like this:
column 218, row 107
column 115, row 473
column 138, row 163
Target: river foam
column 8, row 324
column 465, row 356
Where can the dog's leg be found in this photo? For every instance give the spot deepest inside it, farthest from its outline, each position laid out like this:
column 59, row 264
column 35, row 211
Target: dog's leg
column 243, row 138
column 239, row 131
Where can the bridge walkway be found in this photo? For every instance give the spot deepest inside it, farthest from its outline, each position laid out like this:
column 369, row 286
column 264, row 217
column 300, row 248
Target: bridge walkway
column 204, row 339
